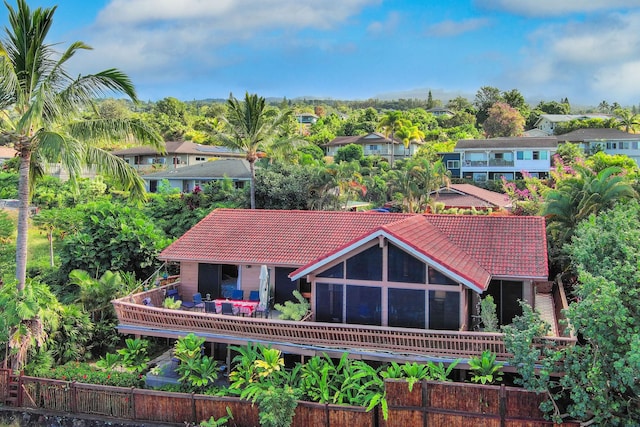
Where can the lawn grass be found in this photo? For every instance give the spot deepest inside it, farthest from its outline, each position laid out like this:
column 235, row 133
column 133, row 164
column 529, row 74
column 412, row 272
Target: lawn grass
column 37, row 242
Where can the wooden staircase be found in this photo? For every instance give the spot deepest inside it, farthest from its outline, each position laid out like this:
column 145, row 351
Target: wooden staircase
column 13, row 390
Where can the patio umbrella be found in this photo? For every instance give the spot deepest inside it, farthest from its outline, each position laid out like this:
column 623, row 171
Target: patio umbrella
column 264, row 286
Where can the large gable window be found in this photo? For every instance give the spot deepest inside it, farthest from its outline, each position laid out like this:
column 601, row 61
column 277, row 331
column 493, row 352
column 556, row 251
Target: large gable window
column 437, row 278
column 364, row 305
column 444, row 310
column 404, row 267
column 337, row 271
column 367, row 265
column 407, row 308
column 329, row 302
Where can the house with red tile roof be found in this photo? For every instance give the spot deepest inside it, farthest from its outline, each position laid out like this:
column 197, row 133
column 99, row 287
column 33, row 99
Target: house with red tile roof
column 368, row 268
column 469, row 196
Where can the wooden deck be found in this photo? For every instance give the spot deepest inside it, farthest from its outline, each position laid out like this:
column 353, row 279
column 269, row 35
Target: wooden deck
column 308, row 338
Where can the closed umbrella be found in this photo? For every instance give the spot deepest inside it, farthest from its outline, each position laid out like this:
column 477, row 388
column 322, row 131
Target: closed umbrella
column 264, row 287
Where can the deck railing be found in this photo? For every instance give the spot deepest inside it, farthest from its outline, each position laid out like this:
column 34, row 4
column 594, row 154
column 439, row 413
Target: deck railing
column 419, row 342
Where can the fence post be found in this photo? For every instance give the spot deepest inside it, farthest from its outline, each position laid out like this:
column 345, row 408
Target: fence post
column 503, row 405
column 425, row 403
column 74, row 396
column 326, row 415
column 193, row 408
column 132, row 404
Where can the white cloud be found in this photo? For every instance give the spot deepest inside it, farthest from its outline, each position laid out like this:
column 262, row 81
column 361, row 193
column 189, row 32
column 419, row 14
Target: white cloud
column 597, row 56
column 453, row 28
column 144, row 36
column 555, row 7
column 386, row 26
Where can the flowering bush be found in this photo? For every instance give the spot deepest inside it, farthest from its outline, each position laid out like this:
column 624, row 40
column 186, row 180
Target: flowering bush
column 85, row 373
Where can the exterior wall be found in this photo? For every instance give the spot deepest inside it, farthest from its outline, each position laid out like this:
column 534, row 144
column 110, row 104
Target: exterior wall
column 481, row 165
column 189, row 277
column 250, row 278
column 452, row 163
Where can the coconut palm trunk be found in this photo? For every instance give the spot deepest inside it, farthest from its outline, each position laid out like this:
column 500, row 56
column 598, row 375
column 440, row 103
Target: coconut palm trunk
column 23, row 218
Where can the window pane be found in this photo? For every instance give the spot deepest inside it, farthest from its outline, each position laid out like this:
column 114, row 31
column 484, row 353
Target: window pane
column 363, row 305
column 337, row 271
column 437, row 278
column 444, row 310
column 366, row 265
column 404, row 267
column 407, row 308
column 520, row 155
column 329, row 299
column 511, row 293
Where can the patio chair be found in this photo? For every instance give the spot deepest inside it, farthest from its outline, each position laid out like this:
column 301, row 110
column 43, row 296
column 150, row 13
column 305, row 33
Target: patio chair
column 209, row 307
column 197, row 302
column 172, row 293
column 147, row 301
column 228, row 308
column 254, row 296
column 238, row 294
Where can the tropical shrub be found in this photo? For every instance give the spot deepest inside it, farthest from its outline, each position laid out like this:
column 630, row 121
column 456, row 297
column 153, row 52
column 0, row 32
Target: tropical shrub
column 485, row 369
column 291, row 310
column 488, row 314
column 85, row 373
column 134, row 356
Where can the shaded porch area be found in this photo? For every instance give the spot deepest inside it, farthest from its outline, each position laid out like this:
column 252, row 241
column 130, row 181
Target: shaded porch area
column 307, row 338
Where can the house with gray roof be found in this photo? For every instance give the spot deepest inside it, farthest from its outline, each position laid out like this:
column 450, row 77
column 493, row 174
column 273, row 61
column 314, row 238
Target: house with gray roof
column 374, row 144
column 548, row 122
column 177, row 154
column 611, row 141
column 187, row 178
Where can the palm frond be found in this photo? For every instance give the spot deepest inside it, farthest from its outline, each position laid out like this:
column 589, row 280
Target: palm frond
column 115, row 167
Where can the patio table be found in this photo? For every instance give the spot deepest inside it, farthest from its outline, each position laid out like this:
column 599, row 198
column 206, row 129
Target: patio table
column 244, row 307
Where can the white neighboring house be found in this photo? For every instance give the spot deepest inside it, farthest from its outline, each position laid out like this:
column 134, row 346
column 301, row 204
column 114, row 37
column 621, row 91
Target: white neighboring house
column 611, row 141
column 547, row 122
column 374, row 144
column 187, row 178
column 178, row 154
column 491, row 159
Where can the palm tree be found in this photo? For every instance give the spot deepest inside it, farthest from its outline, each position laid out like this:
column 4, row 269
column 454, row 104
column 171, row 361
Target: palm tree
column 408, row 133
column 581, row 195
column 627, row 120
column 390, row 123
column 251, row 127
column 42, row 106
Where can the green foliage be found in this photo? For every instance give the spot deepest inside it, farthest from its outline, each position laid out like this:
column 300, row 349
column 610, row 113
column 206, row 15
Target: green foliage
column 485, row 369
column 8, row 185
column 277, row 404
column 134, row 356
column 196, row 371
column 293, row 311
column 488, row 314
column 113, row 237
column 217, row 422
column 109, row 361
column 7, row 227
column 85, row 373
column 71, row 340
column 171, row 303
column 349, row 153
column 284, row 186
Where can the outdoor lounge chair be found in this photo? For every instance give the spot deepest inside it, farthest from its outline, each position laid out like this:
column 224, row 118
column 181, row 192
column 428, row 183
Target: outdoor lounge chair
column 209, row 307
column 197, row 302
column 238, row 294
column 254, row 296
column 147, row 301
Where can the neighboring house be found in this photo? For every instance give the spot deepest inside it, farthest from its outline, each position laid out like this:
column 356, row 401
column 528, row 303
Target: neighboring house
column 441, row 112
column 491, row 159
column 178, row 154
column 7, row 153
column 467, row 196
column 384, row 269
column 187, row 178
column 548, row 122
column 306, row 118
column 374, row 144
column 611, row 141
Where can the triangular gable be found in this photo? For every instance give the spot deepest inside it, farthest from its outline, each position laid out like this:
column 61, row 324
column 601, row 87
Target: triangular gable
column 422, row 240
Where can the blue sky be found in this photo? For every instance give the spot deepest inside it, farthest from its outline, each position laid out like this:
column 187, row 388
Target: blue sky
column 585, row 50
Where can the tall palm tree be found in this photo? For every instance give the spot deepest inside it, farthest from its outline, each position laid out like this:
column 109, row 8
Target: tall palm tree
column 251, row 127
column 408, row 133
column 627, row 120
column 390, row 123
column 42, row 105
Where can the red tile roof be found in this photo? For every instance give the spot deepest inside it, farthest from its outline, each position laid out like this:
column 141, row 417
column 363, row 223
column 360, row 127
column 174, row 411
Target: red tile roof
column 468, row 195
column 472, row 246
